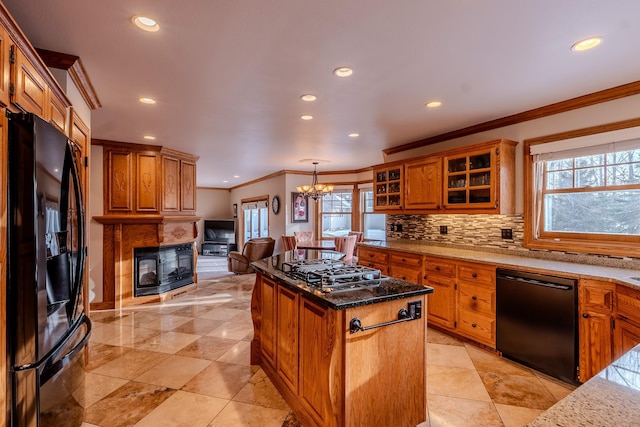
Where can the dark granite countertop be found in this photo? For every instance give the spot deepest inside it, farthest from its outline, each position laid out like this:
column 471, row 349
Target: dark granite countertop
column 390, row 289
column 626, row 276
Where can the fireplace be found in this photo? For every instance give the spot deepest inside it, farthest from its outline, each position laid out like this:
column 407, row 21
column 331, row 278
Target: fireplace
column 162, row 269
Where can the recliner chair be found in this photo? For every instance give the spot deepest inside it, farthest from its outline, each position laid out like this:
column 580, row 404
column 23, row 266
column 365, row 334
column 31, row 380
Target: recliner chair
column 254, row 249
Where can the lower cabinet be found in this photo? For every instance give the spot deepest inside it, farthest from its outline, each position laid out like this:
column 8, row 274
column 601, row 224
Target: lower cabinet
column 595, row 325
column 406, row 266
column 627, row 325
column 287, row 337
column 374, row 258
column 626, row 337
column 440, row 275
column 477, row 303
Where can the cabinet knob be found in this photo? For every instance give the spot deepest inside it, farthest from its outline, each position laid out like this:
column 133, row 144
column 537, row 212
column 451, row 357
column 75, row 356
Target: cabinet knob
column 437, row 268
column 473, row 325
column 424, row 277
column 404, row 278
column 474, row 275
column 404, row 260
column 585, row 315
column 474, row 298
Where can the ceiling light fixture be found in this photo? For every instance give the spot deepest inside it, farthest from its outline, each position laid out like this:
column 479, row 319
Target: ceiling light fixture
column 315, row 190
column 343, row 72
column 147, row 100
column 586, row 44
column 306, row 117
column 236, row 176
column 145, row 23
column 354, row 135
column 433, row 104
column 150, row 137
column 308, row 97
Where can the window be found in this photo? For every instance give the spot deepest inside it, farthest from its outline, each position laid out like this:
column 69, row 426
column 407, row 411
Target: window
column 586, row 195
column 256, row 219
column 373, row 224
column 335, row 213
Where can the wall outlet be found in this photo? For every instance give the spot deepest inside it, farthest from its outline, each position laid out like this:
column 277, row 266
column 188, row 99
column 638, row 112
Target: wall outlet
column 507, row 233
column 398, row 227
column 444, row 229
column 392, row 227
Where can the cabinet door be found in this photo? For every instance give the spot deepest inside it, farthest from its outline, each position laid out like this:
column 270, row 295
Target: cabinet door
column 268, row 327
column 388, row 188
column 56, row 111
column 170, row 184
column 423, row 184
column 626, row 337
column 5, row 69
column 441, row 304
column 30, row 92
column 118, row 176
column 595, row 343
column 147, row 191
column 188, row 186
column 287, row 337
column 470, row 180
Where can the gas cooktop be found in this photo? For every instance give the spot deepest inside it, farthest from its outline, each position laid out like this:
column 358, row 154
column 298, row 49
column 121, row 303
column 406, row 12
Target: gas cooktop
column 333, row 276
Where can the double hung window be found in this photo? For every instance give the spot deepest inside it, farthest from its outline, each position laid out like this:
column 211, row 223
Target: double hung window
column 336, row 213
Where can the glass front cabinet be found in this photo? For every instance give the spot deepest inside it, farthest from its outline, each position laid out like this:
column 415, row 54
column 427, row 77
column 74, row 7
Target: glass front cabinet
column 470, row 180
column 388, row 188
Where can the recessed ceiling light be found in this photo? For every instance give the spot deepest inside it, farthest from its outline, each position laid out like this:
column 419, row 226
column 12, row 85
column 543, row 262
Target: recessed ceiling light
column 147, row 100
column 236, row 176
column 586, row 44
column 308, row 97
column 145, row 23
column 149, row 137
column 306, row 117
column 225, row 181
column 433, row 104
column 343, row 72
column 354, row 135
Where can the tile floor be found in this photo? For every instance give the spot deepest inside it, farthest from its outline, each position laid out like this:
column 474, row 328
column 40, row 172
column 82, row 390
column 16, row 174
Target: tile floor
column 186, row 363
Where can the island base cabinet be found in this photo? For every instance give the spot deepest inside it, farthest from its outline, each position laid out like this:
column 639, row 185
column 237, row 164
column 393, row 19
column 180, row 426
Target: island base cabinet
column 385, row 370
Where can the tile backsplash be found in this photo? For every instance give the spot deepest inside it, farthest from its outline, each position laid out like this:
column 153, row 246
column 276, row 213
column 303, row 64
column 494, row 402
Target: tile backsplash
column 484, row 232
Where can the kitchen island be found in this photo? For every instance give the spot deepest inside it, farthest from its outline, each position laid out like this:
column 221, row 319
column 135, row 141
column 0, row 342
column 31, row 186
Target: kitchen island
column 341, row 357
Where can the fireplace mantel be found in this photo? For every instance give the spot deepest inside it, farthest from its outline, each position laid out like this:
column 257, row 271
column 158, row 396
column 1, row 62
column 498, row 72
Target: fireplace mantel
column 172, row 227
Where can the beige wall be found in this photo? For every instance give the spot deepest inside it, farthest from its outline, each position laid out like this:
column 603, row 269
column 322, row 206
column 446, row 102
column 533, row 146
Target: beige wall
column 211, row 204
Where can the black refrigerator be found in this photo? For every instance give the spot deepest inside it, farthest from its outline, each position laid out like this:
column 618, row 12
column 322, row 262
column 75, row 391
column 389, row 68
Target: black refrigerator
column 47, row 328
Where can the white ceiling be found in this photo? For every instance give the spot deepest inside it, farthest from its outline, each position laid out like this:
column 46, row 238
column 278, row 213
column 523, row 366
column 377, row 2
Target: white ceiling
column 228, row 74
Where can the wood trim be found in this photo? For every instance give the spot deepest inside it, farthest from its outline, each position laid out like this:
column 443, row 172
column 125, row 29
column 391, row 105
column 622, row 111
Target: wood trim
column 256, row 199
column 605, row 95
column 3, row 267
column 615, row 246
column 213, row 188
column 134, row 147
column 73, row 65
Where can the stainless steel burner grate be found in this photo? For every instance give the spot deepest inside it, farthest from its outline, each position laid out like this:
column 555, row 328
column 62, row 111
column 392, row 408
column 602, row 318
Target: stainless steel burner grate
column 332, row 276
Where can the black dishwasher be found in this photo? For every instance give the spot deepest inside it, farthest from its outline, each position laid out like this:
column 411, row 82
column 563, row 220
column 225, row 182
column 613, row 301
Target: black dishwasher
column 536, row 322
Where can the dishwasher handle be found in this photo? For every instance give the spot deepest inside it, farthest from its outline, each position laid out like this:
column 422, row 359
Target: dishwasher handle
column 537, row 282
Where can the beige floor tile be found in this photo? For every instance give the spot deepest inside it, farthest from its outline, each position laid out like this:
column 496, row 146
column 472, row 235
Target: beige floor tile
column 137, row 319
column 99, row 354
column 184, row 409
column 131, row 364
column 173, row 372
column 456, row 382
column 261, row 391
column 167, row 342
column 238, row 414
column 238, row 354
column 517, row 390
column 516, row 416
column 127, row 405
column 221, row 380
column 490, row 362
column 221, row 313
column 198, row 326
column 455, row 412
column 192, row 310
column 96, row 387
column 559, row 389
column 121, row 335
column 165, row 323
column 89, row 425
column 437, row 337
column 448, row 355
column 233, row 330
column 210, row 348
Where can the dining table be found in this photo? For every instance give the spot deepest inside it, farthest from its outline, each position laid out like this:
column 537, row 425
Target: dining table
column 328, row 245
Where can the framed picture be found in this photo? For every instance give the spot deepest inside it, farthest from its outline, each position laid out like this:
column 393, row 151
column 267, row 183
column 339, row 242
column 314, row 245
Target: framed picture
column 299, row 208
column 235, row 210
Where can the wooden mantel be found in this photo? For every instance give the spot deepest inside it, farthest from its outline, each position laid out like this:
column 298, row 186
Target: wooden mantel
column 149, row 201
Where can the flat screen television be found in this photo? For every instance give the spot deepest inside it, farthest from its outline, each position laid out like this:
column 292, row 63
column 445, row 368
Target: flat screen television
column 220, row 231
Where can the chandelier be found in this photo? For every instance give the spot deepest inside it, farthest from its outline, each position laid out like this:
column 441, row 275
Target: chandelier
column 315, row 190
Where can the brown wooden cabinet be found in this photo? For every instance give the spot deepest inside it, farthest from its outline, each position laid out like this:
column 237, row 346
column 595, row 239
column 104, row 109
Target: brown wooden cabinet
column 476, row 303
column 29, row 90
column 269, row 289
column 481, row 179
column 441, row 276
column 287, row 337
column 595, row 311
column 627, row 324
column 5, row 67
column 388, row 188
column 3, row 267
column 406, row 266
column 170, row 184
column 423, row 184
column 374, row 258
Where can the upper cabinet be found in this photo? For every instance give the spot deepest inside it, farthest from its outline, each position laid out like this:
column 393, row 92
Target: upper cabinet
column 475, row 179
column 5, row 66
column 388, row 188
column 29, row 89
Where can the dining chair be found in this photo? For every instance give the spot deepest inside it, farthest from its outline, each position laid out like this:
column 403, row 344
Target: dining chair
column 359, row 238
column 288, row 243
column 346, row 245
column 303, row 236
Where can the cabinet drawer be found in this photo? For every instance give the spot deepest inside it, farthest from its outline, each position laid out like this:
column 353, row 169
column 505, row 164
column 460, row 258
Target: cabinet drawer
column 405, row 259
column 477, row 275
column 406, row 273
column 477, row 326
column 628, row 303
column 439, row 267
column 596, row 295
column 477, row 298
column 384, row 268
column 373, row 256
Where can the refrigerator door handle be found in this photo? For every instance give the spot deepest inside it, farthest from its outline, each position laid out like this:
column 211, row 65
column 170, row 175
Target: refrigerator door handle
column 50, row 370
